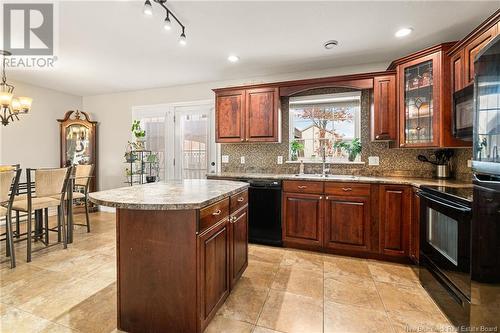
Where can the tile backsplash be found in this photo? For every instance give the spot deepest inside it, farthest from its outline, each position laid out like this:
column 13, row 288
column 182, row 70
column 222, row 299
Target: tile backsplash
column 262, row 158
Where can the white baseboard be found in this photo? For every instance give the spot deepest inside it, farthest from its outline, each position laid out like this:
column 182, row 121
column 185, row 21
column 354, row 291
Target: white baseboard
column 107, row 209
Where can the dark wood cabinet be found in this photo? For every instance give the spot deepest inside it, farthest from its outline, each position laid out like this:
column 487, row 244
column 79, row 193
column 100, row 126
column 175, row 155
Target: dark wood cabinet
column 247, row 115
column 384, row 115
column 239, row 244
column 230, row 116
column 303, row 219
column 457, row 71
column 395, row 213
column 472, row 49
column 415, row 227
column 347, row 223
column 261, row 115
column 214, row 283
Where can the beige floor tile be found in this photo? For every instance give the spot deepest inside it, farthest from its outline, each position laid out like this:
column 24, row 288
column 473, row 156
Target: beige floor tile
column 393, row 273
column 56, row 328
column 265, row 253
column 222, row 324
column 303, row 260
column 405, row 298
column 288, row 312
column 101, row 307
column 414, row 321
column 15, row 320
column 353, row 291
column 340, row 318
column 245, row 302
column 259, row 329
column 336, row 266
column 299, row 281
column 260, row 274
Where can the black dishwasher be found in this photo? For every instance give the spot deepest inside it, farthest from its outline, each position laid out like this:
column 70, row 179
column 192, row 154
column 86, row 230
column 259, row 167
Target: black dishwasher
column 264, row 212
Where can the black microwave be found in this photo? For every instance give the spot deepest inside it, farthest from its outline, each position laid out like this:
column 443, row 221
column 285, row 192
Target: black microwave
column 463, row 113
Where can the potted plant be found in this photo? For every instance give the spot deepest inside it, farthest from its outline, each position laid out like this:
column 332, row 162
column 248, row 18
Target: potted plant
column 139, row 133
column 295, row 148
column 353, row 149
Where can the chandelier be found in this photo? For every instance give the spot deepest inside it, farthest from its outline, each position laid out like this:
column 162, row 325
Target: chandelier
column 167, row 24
column 10, row 106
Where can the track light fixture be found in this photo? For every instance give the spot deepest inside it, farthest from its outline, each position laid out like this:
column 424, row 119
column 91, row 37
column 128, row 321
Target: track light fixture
column 167, row 24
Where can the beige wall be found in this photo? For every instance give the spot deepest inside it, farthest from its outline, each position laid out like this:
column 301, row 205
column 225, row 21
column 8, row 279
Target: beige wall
column 114, row 112
column 33, row 141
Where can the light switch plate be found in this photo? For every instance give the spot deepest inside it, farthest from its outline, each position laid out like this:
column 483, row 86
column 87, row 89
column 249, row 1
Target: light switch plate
column 242, row 159
column 280, row 160
column 469, row 163
column 373, row 160
column 225, row 158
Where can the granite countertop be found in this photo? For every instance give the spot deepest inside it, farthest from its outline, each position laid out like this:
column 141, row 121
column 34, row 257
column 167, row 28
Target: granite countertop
column 170, row 195
column 417, row 182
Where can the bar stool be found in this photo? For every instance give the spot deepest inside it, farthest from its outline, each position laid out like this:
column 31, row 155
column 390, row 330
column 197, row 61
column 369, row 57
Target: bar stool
column 9, row 181
column 48, row 183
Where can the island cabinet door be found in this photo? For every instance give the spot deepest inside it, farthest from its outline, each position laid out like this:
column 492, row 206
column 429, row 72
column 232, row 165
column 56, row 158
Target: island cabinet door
column 347, row 223
column 303, row 219
column 239, row 244
column 395, row 215
column 213, row 284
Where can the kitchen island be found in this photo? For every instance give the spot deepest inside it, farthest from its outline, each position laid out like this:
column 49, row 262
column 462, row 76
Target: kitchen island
column 181, row 247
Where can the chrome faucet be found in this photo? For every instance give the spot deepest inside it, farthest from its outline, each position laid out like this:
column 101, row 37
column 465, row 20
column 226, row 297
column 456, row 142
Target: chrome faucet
column 324, row 168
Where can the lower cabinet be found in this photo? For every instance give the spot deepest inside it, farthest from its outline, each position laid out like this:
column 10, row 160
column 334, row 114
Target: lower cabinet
column 394, row 221
column 303, row 219
column 239, row 244
column 347, row 223
column 214, row 282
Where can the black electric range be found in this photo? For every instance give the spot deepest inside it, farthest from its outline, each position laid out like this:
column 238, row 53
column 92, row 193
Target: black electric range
column 463, row 194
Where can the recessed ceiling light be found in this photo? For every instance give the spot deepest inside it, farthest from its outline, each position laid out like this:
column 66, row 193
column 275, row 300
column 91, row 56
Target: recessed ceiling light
column 233, row 58
column 330, row 44
column 403, row 32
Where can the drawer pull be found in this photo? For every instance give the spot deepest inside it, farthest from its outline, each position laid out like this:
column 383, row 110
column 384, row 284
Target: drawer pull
column 321, row 197
column 302, row 187
column 217, row 212
column 346, row 189
column 240, row 199
column 327, row 197
column 377, row 137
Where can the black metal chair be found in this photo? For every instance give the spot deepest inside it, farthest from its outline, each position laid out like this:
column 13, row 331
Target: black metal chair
column 9, row 181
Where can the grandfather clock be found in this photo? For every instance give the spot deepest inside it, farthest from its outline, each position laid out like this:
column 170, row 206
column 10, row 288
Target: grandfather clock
column 78, row 135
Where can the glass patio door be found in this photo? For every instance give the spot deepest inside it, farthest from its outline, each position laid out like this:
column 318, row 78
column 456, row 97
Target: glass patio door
column 194, row 144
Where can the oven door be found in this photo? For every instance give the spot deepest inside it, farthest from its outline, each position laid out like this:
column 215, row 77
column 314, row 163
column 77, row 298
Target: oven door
column 445, row 239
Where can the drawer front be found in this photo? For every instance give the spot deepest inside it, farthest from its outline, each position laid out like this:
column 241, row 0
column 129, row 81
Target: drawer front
column 214, row 213
column 298, row 186
column 348, row 189
column 238, row 200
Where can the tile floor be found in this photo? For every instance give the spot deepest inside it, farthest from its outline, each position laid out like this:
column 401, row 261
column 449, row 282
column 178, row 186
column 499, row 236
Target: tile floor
column 282, row 290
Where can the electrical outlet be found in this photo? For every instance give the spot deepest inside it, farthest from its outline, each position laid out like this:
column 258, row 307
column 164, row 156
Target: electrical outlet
column 373, row 160
column 225, row 158
column 242, row 159
column 469, row 163
column 280, row 160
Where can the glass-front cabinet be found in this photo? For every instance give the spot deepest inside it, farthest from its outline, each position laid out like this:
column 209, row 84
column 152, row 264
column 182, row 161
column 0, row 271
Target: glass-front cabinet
column 419, row 102
column 78, row 141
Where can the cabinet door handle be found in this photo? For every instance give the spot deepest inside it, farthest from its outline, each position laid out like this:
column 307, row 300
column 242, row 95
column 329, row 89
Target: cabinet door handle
column 217, row 212
column 346, row 189
column 320, row 197
column 377, row 137
column 240, row 199
column 302, row 187
column 326, row 197
column 242, row 140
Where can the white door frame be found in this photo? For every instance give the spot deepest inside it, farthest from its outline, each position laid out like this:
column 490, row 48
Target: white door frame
column 169, row 111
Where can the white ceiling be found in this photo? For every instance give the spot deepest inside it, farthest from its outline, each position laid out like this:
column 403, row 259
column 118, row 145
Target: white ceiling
column 110, row 46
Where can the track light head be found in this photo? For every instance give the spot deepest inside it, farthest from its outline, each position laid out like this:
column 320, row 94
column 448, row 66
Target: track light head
column 182, row 38
column 167, row 25
column 148, row 8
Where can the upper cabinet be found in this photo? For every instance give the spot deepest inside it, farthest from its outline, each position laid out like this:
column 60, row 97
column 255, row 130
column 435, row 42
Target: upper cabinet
column 384, row 113
column 247, row 115
column 424, row 103
column 465, row 51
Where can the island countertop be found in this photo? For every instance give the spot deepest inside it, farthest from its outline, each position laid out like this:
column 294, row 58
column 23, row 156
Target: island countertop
column 169, row 195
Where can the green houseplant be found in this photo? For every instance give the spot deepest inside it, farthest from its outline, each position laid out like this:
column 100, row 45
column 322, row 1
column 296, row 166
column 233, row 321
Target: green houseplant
column 295, row 148
column 353, row 148
column 137, row 130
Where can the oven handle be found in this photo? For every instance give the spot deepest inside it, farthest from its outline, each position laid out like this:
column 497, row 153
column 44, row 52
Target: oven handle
column 443, row 202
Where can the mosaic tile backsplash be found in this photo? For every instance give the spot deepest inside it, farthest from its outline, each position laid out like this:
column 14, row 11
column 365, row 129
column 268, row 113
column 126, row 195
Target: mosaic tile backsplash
column 262, row 158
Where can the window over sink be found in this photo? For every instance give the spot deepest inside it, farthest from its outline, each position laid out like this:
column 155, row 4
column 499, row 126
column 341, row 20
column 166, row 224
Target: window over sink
column 325, row 125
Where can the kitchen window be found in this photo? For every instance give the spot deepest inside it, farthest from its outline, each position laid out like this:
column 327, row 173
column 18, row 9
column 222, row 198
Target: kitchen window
column 324, row 125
